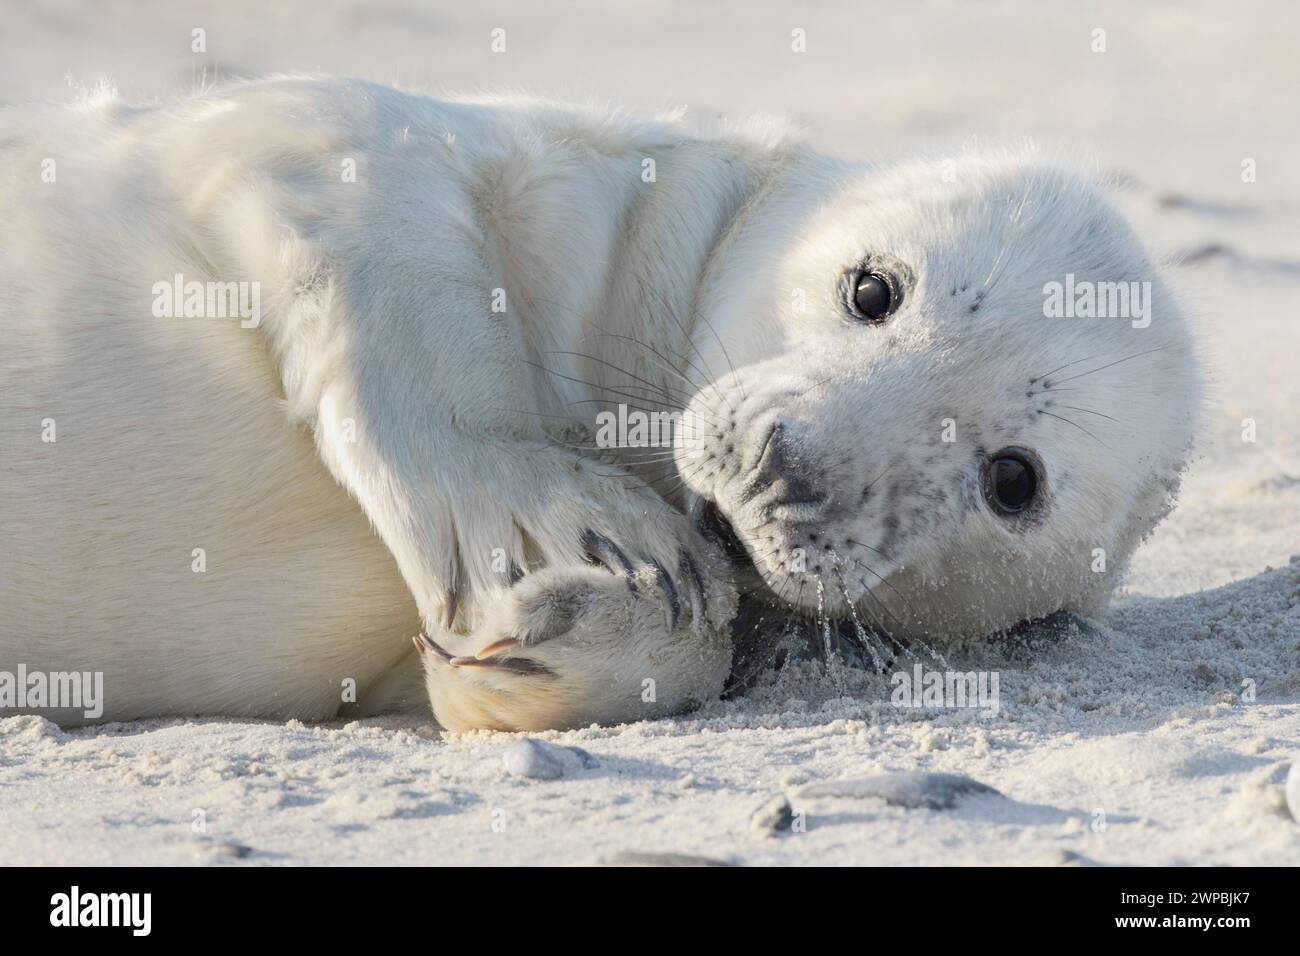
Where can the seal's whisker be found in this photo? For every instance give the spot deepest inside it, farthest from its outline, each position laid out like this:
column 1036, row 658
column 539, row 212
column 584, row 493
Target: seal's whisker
column 672, row 314
column 820, row 382
column 672, row 489
column 1046, row 375
column 1159, row 348
column 624, row 477
column 669, row 474
column 681, row 474
column 871, row 483
column 601, row 331
column 606, row 402
column 634, row 454
column 665, row 491
column 658, row 362
column 644, row 462
column 1076, row 425
column 859, row 544
column 883, row 580
column 863, row 637
column 583, row 381
column 646, row 453
column 1076, row 408
column 879, row 599
column 647, row 409
column 665, row 364
column 555, row 442
column 649, row 464
column 662, row 389
column 639, row 458
column 735, row 377
column 989, row 280
column 880, row 631
column 700, row 316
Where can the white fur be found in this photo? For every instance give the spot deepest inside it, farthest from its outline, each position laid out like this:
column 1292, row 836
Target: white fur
column 967, row 358
column 379, row 345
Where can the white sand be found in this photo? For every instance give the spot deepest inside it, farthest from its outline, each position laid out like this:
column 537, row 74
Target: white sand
column 1138, row 721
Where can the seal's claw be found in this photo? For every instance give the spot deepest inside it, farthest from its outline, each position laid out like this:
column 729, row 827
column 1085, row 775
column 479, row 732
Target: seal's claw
column 666, row 585
column 606, row 552
column 520, row 665
column 425, row 643
column 450, row 602
column 496, row 647
column 690, row 573
column 569, row 646
column 469, row 662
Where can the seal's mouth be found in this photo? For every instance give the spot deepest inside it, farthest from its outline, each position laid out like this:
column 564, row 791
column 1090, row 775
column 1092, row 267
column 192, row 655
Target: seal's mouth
column 711, row 522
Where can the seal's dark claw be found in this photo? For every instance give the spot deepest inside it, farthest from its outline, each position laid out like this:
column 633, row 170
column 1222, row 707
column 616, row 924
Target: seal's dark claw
column 425, row 643
column 606, row 552
column 695, row 585
column 670, row 591
column 450, row 601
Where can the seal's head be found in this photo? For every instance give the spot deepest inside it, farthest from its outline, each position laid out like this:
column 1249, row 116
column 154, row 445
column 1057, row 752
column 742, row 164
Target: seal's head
column 956, row 397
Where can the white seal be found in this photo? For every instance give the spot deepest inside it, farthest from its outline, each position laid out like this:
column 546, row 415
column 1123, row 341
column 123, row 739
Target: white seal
column 299, row 368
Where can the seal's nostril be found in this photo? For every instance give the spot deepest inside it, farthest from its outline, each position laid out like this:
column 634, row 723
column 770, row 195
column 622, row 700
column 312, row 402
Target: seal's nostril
column 770, row 455
column 782, row 472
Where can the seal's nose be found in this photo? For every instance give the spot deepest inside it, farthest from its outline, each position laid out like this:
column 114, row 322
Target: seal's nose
column 783, row 472
column 774, row 454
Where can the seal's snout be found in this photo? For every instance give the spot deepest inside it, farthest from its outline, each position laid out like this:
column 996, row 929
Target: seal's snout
column 783, row 474
column 768, row 502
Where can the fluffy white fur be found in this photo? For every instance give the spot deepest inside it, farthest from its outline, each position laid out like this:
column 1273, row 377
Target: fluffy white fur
column 387, row 453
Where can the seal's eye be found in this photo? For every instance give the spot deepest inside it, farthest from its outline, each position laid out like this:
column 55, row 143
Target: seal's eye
column 874, row 297
column 1011, row 482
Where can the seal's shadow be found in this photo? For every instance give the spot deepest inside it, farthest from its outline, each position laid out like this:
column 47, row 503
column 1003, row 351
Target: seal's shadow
column 768, row 638
column 1254, row 622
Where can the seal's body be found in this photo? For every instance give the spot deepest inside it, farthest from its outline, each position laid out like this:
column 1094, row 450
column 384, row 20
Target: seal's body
column 298, row 368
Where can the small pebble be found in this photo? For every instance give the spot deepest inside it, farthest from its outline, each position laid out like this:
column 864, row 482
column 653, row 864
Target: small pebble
column 1069, row 858
column 933, row 791
column 232, row 851
column 774, row 816
column 632, row 858
column 1293, row 791
column 539, row 760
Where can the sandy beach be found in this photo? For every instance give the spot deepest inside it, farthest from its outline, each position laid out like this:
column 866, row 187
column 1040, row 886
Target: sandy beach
column 1160, row 733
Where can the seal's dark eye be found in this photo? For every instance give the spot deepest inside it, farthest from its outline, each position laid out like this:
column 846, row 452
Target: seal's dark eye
column 874, row 297
column 1011, row 482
